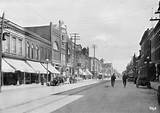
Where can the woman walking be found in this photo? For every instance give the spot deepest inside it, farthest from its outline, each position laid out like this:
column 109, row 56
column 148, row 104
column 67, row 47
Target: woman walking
column 124, row 78
column 113, row 78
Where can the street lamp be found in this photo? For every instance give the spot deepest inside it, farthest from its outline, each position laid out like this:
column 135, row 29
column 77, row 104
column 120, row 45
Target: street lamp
column 47, row 60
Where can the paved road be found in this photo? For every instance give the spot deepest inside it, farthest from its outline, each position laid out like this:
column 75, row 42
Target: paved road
column 95, row 98
column 39, row 99
column 101, row 98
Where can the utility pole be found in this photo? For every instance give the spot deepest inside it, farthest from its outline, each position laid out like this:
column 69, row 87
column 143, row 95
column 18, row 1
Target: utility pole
column 94, row 47
column 60, row 50
column 75, row 37
column 2, row 27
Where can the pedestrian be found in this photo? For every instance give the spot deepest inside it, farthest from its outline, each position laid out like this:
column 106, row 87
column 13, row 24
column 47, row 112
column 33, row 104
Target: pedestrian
column 124, row 78
column 113, row 78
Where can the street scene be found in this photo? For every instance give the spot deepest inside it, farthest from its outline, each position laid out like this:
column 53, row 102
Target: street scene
column 79, row 56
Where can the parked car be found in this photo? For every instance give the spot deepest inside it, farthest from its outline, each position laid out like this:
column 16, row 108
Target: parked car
column 56, row 81
column 130, row 79
column 143, row 82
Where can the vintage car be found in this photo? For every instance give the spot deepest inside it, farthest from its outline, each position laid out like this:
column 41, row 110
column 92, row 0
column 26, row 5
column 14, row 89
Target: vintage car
column 143, row 82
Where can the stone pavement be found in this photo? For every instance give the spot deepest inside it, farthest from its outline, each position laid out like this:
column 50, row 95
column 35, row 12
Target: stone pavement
column 155, row 85
column 19, row 96
column 20, row 87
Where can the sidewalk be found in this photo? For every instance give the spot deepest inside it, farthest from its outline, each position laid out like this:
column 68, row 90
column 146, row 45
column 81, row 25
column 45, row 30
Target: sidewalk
column 155, row 85
column 20, row 87
column 14, row 97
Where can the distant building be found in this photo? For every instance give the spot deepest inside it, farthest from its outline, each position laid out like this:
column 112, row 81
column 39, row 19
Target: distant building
column 108, row 69
column 95, row 66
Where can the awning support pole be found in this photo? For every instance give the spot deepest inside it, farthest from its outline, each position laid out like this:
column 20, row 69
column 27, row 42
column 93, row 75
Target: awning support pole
column 2, row 79
column 39, row 77
column 24, row 79
column 30, row 78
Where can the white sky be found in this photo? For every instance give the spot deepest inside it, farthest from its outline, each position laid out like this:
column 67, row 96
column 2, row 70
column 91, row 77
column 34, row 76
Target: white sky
column 115, row 26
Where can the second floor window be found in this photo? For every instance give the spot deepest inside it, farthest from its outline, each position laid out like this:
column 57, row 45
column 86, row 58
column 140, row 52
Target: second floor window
column 13, row 45
column 37, row 53
column 28, row 50
column 32, row 52
column 19, row 47
column 6, row 44
column 55, row 46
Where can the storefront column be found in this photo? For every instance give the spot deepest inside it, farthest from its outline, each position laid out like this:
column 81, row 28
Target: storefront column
column 18, row 78
column 30, row 78
column 2, row 79
column 24, row 78
column 39, row 77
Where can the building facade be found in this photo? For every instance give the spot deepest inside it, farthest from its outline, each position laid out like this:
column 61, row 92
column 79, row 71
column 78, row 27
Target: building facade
column 95, row 66
column 155, row 49
column 24, row 51
column 58, row 36
column 147, row 68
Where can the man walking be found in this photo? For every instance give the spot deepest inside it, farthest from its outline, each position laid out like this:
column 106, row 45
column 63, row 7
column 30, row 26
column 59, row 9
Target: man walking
column 113, row 78
column 124, row 78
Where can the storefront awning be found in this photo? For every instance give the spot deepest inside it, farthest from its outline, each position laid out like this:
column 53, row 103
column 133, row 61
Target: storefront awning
column 88, row 72
column 6, row 67
column 51, row 68
column 84, row 73
column 37, row 67
column 19, row 65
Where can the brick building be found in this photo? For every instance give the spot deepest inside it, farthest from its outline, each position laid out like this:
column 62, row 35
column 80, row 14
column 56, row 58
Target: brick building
column 25, row 53
column 155, row 49
column 58, row 36
column 147, row 68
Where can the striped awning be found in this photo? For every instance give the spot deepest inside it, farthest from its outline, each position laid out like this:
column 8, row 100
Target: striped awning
column 19, row 65
column 37, row 66
column 51, row 68
column 6, row 67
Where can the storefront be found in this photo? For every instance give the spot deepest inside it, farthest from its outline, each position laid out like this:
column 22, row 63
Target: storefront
column 53, row 72
column 8, row 76
column 39, row 69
